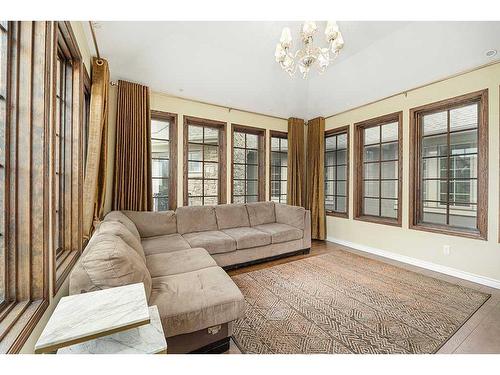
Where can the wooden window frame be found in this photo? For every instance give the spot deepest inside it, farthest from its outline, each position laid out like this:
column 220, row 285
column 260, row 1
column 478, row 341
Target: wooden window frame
column 359, row 128
column 480, row 97
column 26, row 237
column 86, row 92
column 172, row 183
column 261, row 151
column 337, row 131
column 221, row 126
column 282, row 135
column 63, row 261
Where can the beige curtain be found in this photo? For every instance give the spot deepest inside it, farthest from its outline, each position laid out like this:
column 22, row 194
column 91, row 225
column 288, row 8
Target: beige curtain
column 295, row 190
column 132, row 180
column 315, row 166
column 94, row 186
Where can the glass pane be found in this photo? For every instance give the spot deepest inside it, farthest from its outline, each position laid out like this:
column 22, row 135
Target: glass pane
column 390, row 151
column 370, row 206
column 341, row 188
column 211, row 153
column 238, row 187
column 160, row 129
column 195, row 152
column 372, row 153
column 389, row 208
column 463, row 142
column 464, row 217
column 371, row 170
column 434, row 213
column 252, row 172
column 211, row 136
column 434, row 190
column 252, row 157
column 160, row 204
column 239, row 199
column 252, row 198
column 463, row 192
column 275, row 158
column 329, row 203
column 160, row 187
column 284, row 171
column 431, row 167
column 195, row 133
column 330, row 158
column 274, row 198
column 284, row 159
column 330, row 143
column 210, row 201
column 329, row 188
column 390, row 169
column 341, row 157
column 341, row 204
column 371, row 189
column 390, row 132
column 275, row 144
column 435, row 123
column 239, row 140
column 342, row 173
column 435, row 145
column 160, row 149
column 211, row 187
column 239, row 155
column 283, row 187
column 194, row 169
column 160, row 168
column 463, row 166
column 195, row 188
column 197, row 201
column 342, row 141
column 252, row 141
column 211, row 170
column 389, row 189
column 252, row 188
column 372, row 135
column 329, row 173
column 464, row 117
column 239, row 171
column 284, row 144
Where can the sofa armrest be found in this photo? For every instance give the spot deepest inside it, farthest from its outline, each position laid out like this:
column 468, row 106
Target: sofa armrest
column 291, row 215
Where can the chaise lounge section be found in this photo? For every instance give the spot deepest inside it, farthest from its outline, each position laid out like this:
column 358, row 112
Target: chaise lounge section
column 179, row 257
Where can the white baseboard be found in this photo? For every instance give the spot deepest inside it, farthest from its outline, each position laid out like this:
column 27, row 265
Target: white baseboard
column 493, row 283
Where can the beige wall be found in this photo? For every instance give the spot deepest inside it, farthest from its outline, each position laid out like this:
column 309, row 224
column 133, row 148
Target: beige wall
column 468, row 255
column 184, row 107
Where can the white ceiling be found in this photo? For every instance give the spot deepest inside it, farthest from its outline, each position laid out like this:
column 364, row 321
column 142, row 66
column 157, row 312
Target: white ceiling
column 232, row 63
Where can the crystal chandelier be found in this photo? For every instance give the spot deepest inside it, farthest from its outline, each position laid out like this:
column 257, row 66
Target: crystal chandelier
column 309, row 54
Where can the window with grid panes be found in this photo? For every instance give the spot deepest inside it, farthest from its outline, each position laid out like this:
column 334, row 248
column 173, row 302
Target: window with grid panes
column 160, row 162
column 336, row 171
column 279, row 167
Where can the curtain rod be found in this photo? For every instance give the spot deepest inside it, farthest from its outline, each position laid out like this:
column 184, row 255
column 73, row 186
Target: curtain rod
column 95, row 40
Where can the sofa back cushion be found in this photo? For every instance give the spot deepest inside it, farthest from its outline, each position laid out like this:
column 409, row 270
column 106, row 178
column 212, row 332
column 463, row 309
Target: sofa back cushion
column 122, row 218
column 291, row 215
column 118, row 229
column 231, row 216
column 196, row 219
column 108, row 262
column 261, row 213
column 152, row 224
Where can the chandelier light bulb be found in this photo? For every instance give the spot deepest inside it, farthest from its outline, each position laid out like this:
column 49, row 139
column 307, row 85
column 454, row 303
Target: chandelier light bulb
column 331, row 30
column 286, row 37
column 309, row 28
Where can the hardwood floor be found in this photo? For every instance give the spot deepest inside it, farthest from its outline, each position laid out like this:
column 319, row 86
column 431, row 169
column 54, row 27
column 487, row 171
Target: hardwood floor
column 480, row 334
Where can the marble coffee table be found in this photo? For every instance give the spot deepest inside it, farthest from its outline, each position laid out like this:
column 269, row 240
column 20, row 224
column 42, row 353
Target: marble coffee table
column 88, row 316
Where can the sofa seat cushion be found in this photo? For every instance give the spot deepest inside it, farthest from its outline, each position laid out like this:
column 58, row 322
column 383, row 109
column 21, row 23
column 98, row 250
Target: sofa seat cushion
column 164, row 244
column 213, row 241
column 231, row 216
column 193, row 301
column 281, row 232
column 166, row 264
column 247, row 237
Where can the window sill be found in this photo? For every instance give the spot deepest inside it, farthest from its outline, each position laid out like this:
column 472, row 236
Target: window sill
column 440, row 229
column 379, row 220
column 338, row 214
column 64, row 266
column 18, row 323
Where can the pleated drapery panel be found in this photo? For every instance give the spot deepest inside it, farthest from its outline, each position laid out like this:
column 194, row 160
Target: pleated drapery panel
column 295, row 190
column 315, row 181
column 132, row 187
column 94, row 187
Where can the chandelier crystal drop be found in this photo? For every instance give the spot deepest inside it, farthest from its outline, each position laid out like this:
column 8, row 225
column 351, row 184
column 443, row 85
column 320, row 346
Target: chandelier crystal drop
column 309, row 54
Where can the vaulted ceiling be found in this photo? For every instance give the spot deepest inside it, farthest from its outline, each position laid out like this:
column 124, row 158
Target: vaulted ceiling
column 232, row 63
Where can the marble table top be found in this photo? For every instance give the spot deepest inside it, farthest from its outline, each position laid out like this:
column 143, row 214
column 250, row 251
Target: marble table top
column 146, row 339
column 87, row 316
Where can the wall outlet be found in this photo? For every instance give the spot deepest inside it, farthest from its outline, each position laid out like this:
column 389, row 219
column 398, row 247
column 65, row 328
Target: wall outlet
column 446, row 249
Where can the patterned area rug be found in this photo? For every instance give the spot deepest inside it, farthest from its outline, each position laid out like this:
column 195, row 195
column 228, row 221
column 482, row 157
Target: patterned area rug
column 344, row 303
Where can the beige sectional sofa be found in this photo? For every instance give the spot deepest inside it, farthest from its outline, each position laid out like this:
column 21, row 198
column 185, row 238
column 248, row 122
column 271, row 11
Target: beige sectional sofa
column 178, row 256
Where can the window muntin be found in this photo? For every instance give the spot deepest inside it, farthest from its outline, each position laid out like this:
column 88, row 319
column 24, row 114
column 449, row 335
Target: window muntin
column 247, row 165
column 204, row 150
column 449, row 163
column 336, row 172
column 279, row 167
column 160, row 162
